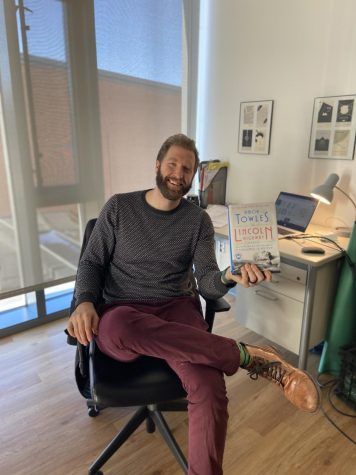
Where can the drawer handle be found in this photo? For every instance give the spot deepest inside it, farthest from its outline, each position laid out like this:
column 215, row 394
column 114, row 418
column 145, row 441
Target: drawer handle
column 265, row 295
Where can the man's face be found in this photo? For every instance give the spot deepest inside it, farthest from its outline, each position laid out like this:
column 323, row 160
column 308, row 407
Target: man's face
column 174, row 175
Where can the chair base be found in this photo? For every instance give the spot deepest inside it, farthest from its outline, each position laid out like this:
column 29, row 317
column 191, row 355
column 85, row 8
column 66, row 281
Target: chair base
column 152, row 414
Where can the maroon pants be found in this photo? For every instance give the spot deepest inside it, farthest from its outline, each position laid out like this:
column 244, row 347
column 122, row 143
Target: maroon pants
column 176, row 332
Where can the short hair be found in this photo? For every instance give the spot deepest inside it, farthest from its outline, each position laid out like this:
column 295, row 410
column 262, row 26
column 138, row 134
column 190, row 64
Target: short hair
column 180, row 140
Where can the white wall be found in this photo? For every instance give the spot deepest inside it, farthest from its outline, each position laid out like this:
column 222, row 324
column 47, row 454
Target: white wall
column 290, row 51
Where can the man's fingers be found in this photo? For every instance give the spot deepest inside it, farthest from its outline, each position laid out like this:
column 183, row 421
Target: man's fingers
column 255, row 274
column 79, row 326
column 95, row 326
column 84, row 338
column 88, row 329
column 80, row 331
column 71, row 329
column 244, row 279
column 251, row 275
column 248, row 273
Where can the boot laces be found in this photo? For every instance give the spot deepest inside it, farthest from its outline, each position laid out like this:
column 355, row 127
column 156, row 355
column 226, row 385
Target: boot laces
column 271, row 370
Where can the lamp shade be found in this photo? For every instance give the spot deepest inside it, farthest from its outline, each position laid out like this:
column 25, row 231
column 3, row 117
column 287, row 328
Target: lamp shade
column 325, row 192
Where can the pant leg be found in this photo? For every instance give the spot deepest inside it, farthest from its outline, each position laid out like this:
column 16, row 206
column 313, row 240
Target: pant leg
column 127, row 331
column 177, row 333
column 208, row 416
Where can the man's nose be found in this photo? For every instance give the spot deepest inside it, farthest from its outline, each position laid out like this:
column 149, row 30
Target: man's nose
column 179, row 172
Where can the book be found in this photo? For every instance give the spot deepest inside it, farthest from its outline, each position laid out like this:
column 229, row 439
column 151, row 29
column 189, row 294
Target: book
column 253, row 236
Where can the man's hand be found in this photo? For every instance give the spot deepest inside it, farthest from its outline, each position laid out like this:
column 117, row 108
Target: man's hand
column 250, row 275
column 83, row 323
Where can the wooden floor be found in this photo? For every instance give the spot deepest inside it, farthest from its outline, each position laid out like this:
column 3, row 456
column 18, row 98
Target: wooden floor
column 45, row 430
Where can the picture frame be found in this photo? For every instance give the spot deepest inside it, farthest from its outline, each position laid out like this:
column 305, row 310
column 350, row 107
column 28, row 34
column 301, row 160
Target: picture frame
column 333, row 128
column 255, row 127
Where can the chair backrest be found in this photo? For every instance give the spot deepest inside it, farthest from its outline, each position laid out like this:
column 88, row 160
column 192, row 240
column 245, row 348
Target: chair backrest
column 87, row 232
column 81, row 364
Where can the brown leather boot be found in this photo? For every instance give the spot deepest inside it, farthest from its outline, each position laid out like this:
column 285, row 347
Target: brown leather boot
column 298, row 386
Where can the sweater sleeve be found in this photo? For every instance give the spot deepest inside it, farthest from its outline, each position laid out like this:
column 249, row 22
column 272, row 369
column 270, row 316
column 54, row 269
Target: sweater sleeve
column 206, row 269
column 96, row 257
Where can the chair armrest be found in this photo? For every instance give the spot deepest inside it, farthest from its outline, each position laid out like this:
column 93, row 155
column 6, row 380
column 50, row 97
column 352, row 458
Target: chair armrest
column 81, row 359
column 218, row 305
column 71, row 340
column 213, row 306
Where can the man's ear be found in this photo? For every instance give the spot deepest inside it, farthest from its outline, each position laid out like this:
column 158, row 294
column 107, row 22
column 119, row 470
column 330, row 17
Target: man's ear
column 157, row 165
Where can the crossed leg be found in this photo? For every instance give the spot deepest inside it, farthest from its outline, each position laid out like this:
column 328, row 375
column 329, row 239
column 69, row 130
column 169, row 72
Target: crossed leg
column 176, row 332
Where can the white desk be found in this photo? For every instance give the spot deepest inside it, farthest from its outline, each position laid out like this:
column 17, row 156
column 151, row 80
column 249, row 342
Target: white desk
column 299, row 300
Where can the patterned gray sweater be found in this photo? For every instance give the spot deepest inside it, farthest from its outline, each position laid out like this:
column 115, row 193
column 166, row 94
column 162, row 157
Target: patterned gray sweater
column 137, row 253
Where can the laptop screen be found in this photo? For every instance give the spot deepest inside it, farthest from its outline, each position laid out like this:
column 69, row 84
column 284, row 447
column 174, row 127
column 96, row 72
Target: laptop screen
column 295, row 211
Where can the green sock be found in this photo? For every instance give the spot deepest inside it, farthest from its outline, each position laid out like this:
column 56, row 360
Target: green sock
column 244, row 355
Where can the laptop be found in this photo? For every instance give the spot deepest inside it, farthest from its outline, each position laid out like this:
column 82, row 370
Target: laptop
column 294, row 212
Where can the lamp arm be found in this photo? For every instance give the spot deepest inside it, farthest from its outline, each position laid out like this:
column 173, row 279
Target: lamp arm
column 347, row 196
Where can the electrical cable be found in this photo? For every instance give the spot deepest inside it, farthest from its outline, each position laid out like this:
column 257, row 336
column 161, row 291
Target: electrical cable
column 331, row 385
column 335, row 245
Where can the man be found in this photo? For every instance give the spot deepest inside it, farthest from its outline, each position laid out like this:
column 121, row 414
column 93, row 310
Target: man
column 139, row 259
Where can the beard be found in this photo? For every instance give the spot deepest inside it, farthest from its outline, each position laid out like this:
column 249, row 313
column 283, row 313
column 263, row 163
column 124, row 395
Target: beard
column 167, row 190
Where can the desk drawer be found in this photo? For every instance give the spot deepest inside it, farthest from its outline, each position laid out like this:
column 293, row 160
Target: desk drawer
column 289, row 282
column 270, row 314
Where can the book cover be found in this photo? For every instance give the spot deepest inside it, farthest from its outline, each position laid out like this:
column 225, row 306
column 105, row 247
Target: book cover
column 253, row 236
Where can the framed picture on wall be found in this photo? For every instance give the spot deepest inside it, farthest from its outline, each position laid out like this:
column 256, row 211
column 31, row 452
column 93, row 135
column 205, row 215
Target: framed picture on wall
column 255, row 127
column 333, row 128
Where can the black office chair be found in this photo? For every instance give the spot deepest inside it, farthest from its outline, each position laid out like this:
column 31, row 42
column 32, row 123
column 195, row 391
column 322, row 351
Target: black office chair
column 147, row 382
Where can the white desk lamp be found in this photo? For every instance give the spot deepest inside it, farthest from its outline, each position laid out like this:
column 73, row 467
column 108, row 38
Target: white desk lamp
column 325, row 194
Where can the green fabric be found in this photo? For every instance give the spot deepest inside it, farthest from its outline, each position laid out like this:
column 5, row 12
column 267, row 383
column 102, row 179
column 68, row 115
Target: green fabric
column 342, row 325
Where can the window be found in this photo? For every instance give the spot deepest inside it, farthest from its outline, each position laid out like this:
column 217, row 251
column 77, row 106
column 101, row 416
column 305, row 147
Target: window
column 100, row 90
column 139, row 55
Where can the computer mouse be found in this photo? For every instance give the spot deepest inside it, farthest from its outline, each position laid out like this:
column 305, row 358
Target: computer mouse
column 313, row 250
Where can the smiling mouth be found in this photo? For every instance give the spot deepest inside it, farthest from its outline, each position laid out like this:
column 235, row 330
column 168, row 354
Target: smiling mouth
column 174, row 183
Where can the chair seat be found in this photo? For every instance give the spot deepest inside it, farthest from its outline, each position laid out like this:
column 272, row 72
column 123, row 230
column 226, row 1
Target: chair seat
column 144, row 381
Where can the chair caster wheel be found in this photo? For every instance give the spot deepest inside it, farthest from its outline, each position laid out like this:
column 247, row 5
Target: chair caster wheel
column 93, row 412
